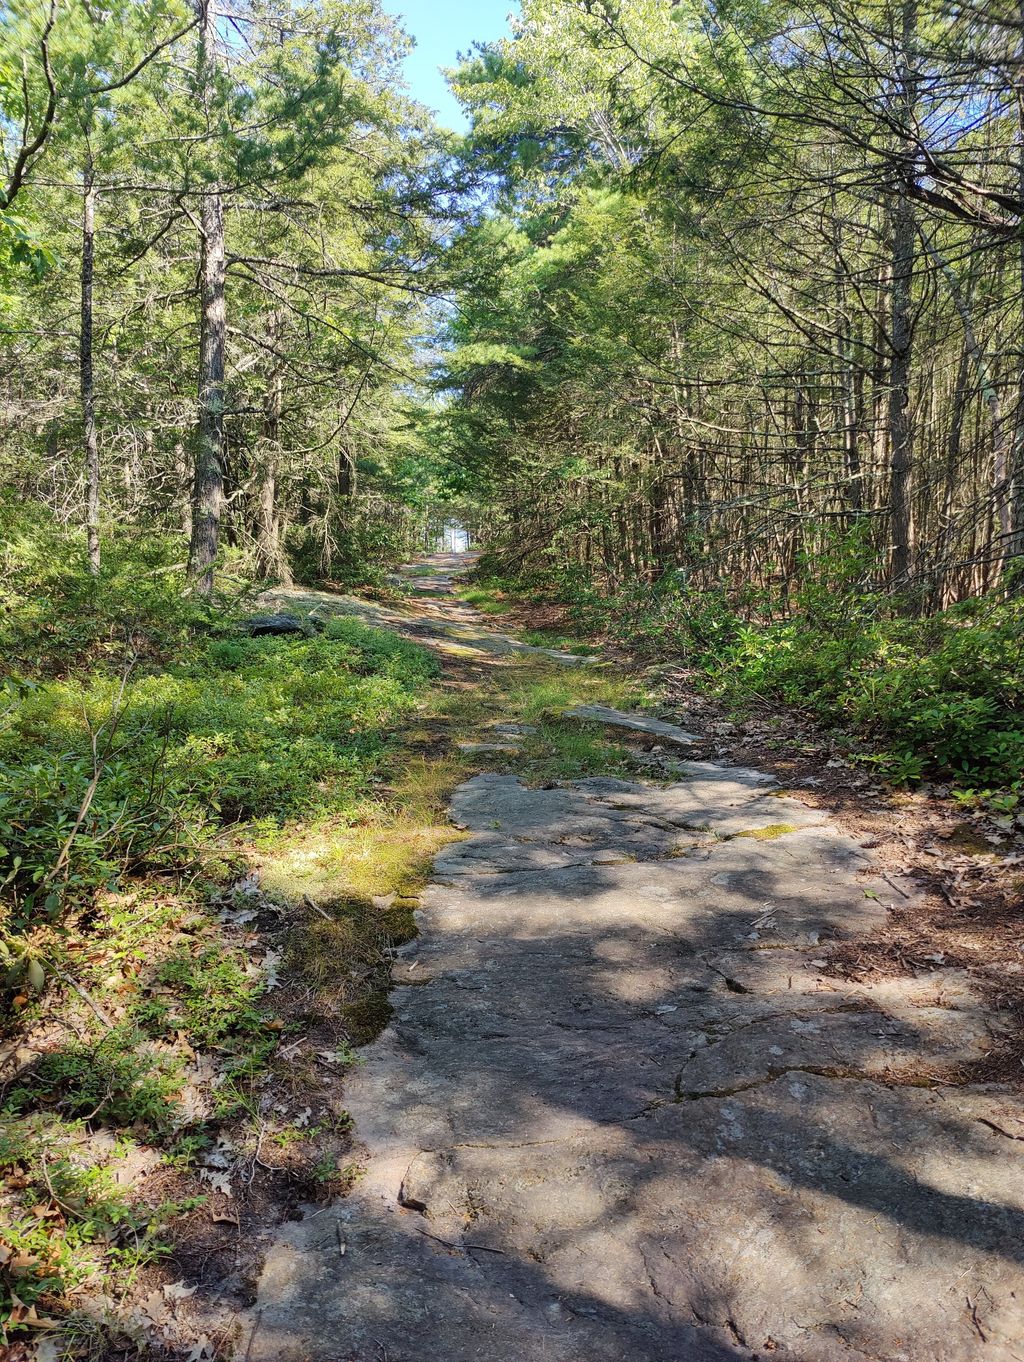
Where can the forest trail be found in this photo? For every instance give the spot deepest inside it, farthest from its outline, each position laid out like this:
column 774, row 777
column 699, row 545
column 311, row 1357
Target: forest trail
column 433, row 616
column 623, row 1109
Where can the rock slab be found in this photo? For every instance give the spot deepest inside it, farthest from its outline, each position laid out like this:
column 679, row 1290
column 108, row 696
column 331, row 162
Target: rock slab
column 627, row 1113
column 638, row 723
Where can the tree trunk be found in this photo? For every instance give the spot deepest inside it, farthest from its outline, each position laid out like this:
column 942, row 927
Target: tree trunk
column 901, row 435
column 270, row 558
column 208, row 488
column 85, row 374
column 852, row 479
column 346, row 480
column 1014, row 560
column 1002, row 454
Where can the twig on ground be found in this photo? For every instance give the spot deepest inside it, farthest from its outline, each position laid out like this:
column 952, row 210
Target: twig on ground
column 893, row 885
column 311, row 903
column 91, row 1002
column 448, row 1243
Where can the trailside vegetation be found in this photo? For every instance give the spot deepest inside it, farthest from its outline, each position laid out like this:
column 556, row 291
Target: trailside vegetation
column 156, row 764
column 745, row 383
column 220, row 238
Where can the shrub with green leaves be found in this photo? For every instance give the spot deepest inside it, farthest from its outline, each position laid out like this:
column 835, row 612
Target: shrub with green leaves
column 54, row 615
column 940, row 696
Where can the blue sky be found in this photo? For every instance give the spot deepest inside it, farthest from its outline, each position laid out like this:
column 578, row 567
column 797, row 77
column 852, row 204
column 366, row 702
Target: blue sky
column 442, row 29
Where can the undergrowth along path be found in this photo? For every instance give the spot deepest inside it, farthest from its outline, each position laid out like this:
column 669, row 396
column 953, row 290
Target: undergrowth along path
column 625, row 1108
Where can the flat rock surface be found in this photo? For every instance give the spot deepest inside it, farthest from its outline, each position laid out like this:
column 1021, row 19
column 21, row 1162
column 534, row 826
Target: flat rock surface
column 639, row 723
column 623, row 1111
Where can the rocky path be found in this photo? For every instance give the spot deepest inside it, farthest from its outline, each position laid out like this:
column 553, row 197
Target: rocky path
column 623, row 1111
column 444, row 623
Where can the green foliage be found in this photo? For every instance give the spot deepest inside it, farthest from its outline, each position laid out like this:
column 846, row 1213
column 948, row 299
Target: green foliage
column 20, row 248
column 665, row 618
column 44, row 1255
column 353, row 553
column 943, row 696
column 380, row 652
column 940, row 696
column 54, row 615
column 116, row 770
column 567, row 749
column 121, row 1080
column 481, row 596
column 216, row 999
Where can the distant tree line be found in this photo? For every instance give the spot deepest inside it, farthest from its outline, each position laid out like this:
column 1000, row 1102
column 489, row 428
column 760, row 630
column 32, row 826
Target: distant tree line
column 750, row 283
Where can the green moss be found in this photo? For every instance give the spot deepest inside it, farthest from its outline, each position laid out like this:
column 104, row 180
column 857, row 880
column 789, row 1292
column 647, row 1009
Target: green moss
column 399, row 921
column 344, row 951
column 767, row 834
column 366, row 1018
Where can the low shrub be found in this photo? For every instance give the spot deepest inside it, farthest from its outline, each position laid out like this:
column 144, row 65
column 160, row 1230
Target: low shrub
column 118, row 757
column 940, row 696
column 54, row 615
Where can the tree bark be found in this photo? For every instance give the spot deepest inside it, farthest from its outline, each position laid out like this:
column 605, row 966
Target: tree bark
column 346, row 478
column 85, row 372
column 270, row 558
column 1014, row 559
column 903, row 225
column 208, row 487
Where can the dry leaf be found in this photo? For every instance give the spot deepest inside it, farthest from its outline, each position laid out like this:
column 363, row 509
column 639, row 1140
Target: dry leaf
column 220, row 1182
column 154, row 1307
column 178, row 1291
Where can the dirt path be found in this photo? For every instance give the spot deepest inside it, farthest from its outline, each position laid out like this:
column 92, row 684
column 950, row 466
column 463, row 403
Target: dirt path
column 623, row 1110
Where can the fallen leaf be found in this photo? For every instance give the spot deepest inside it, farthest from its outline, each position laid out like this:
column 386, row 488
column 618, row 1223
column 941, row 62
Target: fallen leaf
column 178, row 1291
column 154, row 1307
column 220, row 1182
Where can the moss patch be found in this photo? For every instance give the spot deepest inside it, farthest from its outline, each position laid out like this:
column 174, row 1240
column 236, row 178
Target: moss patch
column 767, row 834
column 968, row 839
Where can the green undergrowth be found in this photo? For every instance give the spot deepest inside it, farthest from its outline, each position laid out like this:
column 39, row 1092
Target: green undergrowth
column 389, row 848
column 569, row 749
column 565, row 748
column 168, row 755
column 486, row 597
column 150, row 753
column 495, row 596
column 554, row 638
column 939, row 696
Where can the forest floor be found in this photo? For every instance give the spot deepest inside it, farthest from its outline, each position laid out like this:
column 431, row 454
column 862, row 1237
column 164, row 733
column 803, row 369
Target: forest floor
column 688, row 1058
